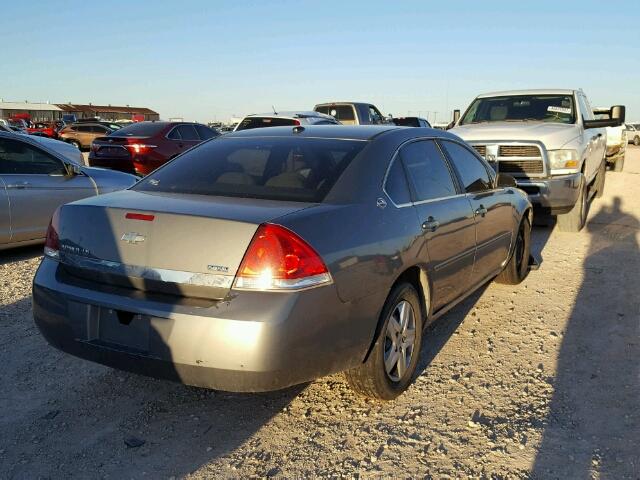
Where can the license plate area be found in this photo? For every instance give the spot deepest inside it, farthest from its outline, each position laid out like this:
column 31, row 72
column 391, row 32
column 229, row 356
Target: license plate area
column 121, row 328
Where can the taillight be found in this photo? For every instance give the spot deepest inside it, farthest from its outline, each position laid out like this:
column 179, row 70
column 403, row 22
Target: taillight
column 278, row 259
column 296, row 122
column 52, row 241
column 139, row 147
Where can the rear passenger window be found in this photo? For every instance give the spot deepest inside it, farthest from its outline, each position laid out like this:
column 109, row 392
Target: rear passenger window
column 187, row 132
column 472, row 171
column 427, row 170
column 396, row 184
column 206, row 132
column 174, row 134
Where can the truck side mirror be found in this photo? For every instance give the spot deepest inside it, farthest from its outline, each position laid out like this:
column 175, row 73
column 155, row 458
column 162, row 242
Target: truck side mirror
column 616, row 118
column 456, row 116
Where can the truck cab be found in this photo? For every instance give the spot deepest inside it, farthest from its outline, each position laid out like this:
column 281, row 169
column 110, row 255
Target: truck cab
column 352, row 113
column 549, row 140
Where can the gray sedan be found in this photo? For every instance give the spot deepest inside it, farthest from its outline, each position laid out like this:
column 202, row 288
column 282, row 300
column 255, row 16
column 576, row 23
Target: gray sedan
column 36, row 176
column 270, row 257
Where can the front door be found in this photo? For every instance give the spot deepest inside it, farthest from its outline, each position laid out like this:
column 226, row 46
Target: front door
column 36, row 184
column 446, row 220
column 492, row 210
column 5, row 216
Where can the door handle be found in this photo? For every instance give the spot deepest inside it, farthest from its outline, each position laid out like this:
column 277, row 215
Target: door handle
column 431, row 224
column 480, row 211
column 19, row 185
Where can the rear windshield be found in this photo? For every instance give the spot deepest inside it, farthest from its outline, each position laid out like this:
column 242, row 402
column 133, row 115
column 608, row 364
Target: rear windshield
column 339, row 112
column 142, row 129
column 280, row 168
column 260, row 122
column 407, row 122
column 520, row 108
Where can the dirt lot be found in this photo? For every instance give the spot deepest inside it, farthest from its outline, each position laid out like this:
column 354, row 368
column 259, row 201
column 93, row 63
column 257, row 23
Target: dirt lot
column 540, row 380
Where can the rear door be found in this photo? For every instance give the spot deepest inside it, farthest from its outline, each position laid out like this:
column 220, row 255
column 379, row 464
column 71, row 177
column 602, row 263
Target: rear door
column 492, row 209
column 445, row 217
column 189, row 136
column 36, row 184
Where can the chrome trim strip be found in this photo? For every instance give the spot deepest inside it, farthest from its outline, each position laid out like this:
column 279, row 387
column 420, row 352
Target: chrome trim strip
column 460, row 256
column 147, row 273
column 493, row 240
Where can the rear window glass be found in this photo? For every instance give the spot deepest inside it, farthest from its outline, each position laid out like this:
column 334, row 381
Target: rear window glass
column 407, row 122
column 142, row 129
column 260, row 122
column 297, row 169
column 339, row 112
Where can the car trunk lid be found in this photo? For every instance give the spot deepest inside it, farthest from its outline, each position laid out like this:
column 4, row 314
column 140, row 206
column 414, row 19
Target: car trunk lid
column 185, row 245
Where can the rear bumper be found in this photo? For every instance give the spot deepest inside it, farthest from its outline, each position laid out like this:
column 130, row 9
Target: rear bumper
column 253, row 341
column 555, row 195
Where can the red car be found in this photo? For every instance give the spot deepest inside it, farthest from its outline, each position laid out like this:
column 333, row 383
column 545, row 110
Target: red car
column 142, row 147
column 48, row 129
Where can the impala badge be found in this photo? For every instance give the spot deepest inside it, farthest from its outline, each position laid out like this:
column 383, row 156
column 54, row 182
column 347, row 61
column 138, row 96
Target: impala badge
column 133, row 238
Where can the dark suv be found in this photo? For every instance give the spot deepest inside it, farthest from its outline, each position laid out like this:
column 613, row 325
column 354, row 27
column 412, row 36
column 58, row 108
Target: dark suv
column 142, row 147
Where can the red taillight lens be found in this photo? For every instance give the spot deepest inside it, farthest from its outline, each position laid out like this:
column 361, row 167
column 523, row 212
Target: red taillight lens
column 278, row 259
column 296, row 122
column 139, row 147
column 52, row 241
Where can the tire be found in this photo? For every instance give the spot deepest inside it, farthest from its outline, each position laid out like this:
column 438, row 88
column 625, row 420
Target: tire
column 76, row 144
column 619, row 165
column 574, row 219
column 517, row 267
column 600, row 179
column 636, row 141
column 372, row 378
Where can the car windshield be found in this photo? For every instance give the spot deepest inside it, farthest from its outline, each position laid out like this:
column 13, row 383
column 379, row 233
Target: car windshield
column 275, row 168
column 520, row 108
column 142, row 129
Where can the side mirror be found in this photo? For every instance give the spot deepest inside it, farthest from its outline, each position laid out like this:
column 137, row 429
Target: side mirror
column 456, row 116
column 505, row 180
column 616, row 118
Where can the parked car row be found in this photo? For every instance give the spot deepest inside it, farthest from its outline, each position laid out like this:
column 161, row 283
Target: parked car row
column 267, row 257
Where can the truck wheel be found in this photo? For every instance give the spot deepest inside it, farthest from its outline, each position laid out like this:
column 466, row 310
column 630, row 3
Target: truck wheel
column 574, row 219
column 600, row 178
column 636, row 141
column 392, row 362
column 619, row 165
column 518, row 266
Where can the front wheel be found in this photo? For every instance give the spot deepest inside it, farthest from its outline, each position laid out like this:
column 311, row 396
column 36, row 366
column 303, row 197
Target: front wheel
column 619, row 165
column 574, row 219
column 392, row 362
column 600, row 179
column 75, row 143
column 636, row 141
column 517, row 268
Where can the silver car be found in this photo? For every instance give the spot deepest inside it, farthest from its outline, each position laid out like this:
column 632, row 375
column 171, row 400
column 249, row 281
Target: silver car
column 270, row 257
column 282, row 119
column 37, row 175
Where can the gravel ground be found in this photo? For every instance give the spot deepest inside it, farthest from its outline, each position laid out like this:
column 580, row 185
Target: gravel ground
column 540, row 380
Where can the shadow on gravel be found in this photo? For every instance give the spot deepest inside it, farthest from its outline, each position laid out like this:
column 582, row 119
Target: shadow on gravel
column 20, row 253
column 593, row 426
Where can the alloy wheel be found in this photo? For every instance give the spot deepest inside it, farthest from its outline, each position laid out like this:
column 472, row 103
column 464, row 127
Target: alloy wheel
column 399, row 341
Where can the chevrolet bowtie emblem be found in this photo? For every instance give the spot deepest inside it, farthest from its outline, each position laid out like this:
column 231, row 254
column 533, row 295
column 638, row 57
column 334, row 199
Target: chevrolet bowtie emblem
column 133, row 238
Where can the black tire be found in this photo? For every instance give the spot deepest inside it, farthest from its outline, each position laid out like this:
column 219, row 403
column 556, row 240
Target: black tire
column 636, row 141
column 600, row 179
column 574, row 219
column 370, row 378
column 619, row 165
column 76, row 144
column 517, row 267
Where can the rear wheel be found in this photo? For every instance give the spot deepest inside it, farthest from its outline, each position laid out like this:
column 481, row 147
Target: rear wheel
column 636, row 140
column 518, row 266
column 574, row 219
column 600, row 178
column 392, row 362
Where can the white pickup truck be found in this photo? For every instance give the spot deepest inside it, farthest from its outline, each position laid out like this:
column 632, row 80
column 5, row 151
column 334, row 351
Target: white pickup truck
column 549, row 141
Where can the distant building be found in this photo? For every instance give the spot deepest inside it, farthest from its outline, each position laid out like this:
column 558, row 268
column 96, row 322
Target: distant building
column 50, row 111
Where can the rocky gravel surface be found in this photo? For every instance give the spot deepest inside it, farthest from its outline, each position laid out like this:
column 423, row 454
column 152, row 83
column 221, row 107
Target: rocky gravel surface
column 541, row 380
